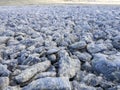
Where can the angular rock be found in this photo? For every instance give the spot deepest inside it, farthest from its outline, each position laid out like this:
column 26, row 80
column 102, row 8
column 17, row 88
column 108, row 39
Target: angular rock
column 86, row 66
column 3, row 40
column 28, row 73
column 4, row 71
column 13, row 88
column 83, row 56
column 52, row 51
column 49, row 83
column 45, row 74
column 99, row 34
column 52, row 58
column 68, row 67
column 78, row 45
column 31, row 59
column 78, row 86
column 107, row 65
column 116, row 42
column 92, row 80
column 4, row 82
column 95, row 48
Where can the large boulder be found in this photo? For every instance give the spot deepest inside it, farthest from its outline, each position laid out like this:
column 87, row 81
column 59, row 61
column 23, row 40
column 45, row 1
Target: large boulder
column 49, row 83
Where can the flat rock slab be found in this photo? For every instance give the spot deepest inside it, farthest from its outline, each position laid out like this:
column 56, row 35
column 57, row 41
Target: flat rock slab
column 49, row 83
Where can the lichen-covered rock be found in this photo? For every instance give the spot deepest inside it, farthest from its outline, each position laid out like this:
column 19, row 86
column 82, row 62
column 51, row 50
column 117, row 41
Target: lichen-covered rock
column 4, row 82
column 28, row 73
column 68, row 67
column 49, row 83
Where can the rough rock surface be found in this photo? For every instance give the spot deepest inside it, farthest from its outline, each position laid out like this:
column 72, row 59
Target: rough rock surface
column 28, row 73
column 49, row 83
column 60, row 47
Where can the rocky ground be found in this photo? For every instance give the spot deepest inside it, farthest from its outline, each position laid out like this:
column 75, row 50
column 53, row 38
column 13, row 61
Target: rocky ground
column 64, row 47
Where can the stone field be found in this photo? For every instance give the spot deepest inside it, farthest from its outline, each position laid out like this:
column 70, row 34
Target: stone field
column 60, row 47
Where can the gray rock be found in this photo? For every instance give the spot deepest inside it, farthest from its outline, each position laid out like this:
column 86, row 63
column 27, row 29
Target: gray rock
column 78, row 86
column 45, row 74
column 86, row 66
column 80, row 75
column 99, row 34
column 116, row 42
column 12, row 41
column 28, row 73
column 49, row 83
column 52, row 58
column 95, row 48
column 78, row 45
column 13, row 88
column 68, row 67
column 92, row 80
column 4, row 82
column 31, row 59
column 84, row 56
column 4, row 40
column 52, row 51
column 4, row 71
column 107, row 65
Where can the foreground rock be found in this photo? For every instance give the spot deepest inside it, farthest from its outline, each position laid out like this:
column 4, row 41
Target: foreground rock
column 68, row 67
column 108, row 65
column 4, row 82
column 49, row 83
column 28, row 73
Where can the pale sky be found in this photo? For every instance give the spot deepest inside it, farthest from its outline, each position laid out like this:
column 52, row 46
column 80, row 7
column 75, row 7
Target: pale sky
column 24, row 2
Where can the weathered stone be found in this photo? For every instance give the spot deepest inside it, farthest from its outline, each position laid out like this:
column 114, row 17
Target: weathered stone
column 4, row 71
column 78, row 45
column 4, row 82
column 116, row 42
column 68, row 67
column 31, row 59
column 78, row 86
column 13, row 88
column 52, row 58
column 107, row 65
column 31, row 71
column 3, row 40
column 45, row 74
column 99, row 34
column 49, row 83
column 52, row 51
column 92, row 80
column 95, row 48
column 83, row 56
column 86, row 66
